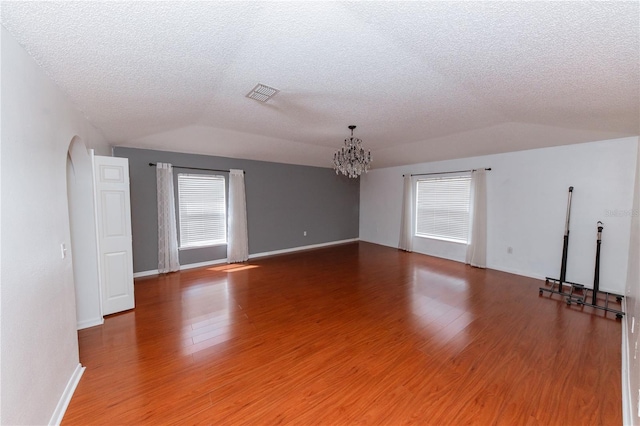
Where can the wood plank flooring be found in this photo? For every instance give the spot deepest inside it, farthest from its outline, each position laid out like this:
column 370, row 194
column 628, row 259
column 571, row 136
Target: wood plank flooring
column 352, row 334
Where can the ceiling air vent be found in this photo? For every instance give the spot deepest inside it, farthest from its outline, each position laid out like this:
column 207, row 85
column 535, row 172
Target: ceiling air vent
column 262, row 93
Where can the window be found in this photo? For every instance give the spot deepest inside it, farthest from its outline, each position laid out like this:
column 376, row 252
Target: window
column 203, row 210
column 442, row 208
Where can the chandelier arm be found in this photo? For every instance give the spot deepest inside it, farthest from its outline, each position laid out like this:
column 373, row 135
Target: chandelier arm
column 352, row 159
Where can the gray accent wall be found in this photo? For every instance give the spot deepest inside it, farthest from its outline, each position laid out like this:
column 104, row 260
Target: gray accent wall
column 283, row 201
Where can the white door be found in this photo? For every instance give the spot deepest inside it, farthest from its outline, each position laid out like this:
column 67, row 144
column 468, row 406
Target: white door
column 113, row 210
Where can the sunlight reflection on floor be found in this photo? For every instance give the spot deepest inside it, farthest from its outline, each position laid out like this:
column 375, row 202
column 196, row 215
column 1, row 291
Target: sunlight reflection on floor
column 234, row 267
column 207, row 313
column 434, row 307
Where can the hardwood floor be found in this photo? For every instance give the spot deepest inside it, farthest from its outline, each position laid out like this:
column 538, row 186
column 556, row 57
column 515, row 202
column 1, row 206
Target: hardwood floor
column 353, row 334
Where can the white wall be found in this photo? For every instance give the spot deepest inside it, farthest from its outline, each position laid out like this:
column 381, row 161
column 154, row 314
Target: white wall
column 631, row 391
column 527, row 198
column 39, row 349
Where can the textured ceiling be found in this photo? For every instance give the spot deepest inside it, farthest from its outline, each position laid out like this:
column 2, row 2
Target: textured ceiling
column 422, row 81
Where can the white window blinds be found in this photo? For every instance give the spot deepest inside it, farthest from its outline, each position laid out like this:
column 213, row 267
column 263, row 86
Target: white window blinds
column 442, row 208
column 203, row 210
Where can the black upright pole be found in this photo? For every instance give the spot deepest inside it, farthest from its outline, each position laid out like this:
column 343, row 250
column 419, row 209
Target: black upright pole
column 596, row 275
column 565, row 244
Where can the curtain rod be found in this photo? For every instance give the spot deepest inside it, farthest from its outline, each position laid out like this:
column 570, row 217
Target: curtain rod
column 443, row 173
column 197, row 168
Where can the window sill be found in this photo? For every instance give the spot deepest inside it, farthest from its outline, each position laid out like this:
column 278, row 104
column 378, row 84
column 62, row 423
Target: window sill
column 201, row 247
column 449, row 240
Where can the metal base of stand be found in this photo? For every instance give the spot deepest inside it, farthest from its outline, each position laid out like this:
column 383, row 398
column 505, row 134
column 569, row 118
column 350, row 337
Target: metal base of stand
column 579, row 294
column 573, row 287
column 582, row 301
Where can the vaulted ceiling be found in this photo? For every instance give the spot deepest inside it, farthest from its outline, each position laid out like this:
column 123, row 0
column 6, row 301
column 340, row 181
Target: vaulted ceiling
column 423, row 81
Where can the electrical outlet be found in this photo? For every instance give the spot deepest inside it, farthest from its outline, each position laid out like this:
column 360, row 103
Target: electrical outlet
column 304, row 233
column 510, row 250
column 63, row 250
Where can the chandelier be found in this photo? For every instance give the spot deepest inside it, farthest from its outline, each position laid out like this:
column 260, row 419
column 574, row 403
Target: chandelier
column 351, row 160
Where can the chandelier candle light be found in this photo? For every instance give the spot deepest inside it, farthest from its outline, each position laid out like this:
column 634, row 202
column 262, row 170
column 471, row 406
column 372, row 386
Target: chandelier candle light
column 351, row 160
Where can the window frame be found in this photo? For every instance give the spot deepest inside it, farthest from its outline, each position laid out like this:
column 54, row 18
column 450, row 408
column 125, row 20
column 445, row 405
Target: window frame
column 223, row 209
column 467, row 202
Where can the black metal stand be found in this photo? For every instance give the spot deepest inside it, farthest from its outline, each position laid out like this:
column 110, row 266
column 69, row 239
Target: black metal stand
column 596, row 287
column 563, row 265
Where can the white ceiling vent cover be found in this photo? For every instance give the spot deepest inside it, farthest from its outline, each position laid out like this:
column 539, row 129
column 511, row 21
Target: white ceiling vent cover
column 262, row 93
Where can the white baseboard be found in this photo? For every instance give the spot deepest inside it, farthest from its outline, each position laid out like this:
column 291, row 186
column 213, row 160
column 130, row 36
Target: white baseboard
column 497, row 268
column 517, row 272
column 145, row 273
column 627, row 394
column 90, row 323
column 251, row 256
column 65, row 398
column 182, row 267
column 301, row 248
column 542, row 278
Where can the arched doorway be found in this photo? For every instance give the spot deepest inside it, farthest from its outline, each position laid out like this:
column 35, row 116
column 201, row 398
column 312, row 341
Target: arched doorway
column 82, row 226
